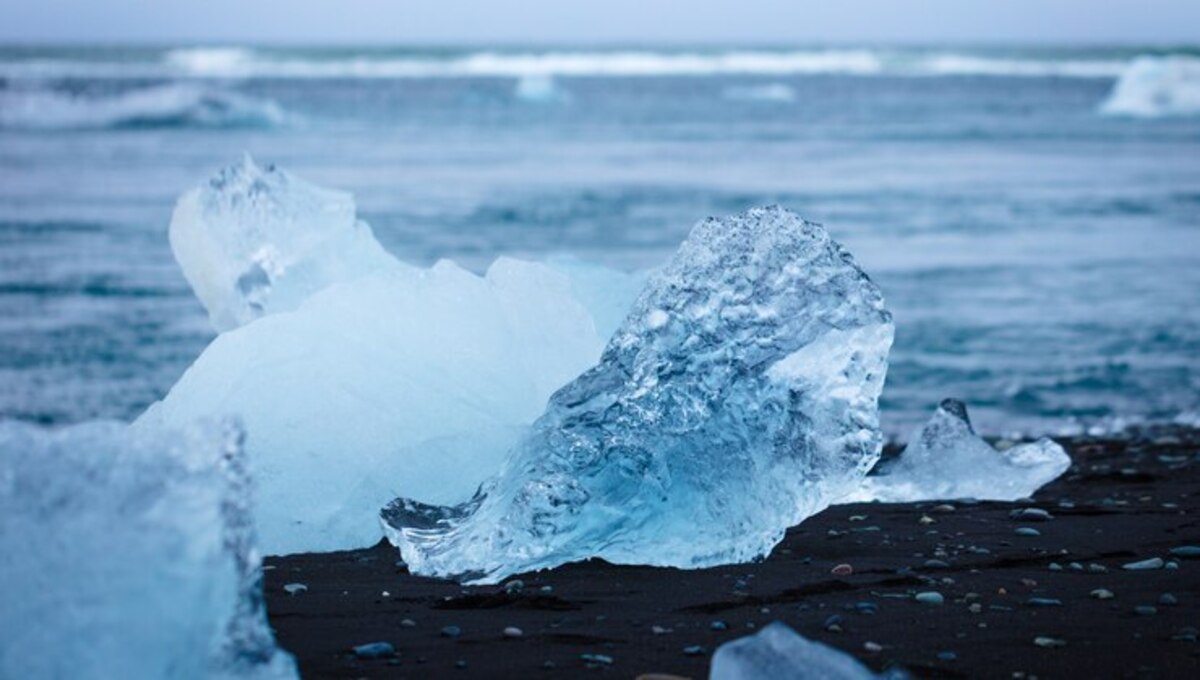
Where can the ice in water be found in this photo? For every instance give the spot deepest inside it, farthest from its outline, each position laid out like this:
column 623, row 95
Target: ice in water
column 359, row 377
column 738, row 397
column 947, row 460
column 129, row 556
column 1153, row 87
column 779, row 653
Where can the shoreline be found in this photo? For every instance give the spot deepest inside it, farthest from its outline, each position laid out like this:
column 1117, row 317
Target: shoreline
column 1123, row 500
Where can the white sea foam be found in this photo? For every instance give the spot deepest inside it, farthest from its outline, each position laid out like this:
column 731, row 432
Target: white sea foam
column 237, row 62
column 1153, row 87
column 174, row 104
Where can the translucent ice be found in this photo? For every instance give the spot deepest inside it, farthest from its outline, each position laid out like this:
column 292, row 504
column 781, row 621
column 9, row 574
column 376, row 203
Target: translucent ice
column 1152, row 87
column 947, row 460
column 254, row 241
column 779, row 653
column 387, row 381
column 738, row 397
column 129, row 556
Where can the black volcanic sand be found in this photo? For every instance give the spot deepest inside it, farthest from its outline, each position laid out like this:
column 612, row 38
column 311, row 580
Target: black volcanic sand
column 1124, row 500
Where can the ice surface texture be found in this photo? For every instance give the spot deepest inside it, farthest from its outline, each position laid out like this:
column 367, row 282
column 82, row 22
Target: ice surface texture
column 779, row 653
column 389, row 380
column 127, row 556
column 253, row 241
column 738, row 397
column 947, row 460
column 1153, row 87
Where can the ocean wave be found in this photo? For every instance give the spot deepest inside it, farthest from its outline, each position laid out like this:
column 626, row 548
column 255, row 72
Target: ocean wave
column 769, row 92
column 170, row 105
column 1154, row 87
column 237, row 62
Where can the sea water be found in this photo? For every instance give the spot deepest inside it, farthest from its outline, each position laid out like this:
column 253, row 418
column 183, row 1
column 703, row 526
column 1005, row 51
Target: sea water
column 1040, row 251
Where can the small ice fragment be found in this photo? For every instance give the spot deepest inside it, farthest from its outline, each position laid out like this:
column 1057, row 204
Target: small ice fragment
column 780, row 653
column 1144, row 565
column 295, row 588
column 696, row 443
column 374, row 650
column 1153, row 87
column 947, row 460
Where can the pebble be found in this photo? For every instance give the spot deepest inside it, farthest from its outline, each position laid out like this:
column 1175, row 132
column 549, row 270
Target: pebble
column 547, row 589
column 936, row 564
column 374, row 650
column 1186, row 634
column 1043, row 602
column 1171, row 565
column 659, row 630
column 1186, row 551
column 930, row 597
column 1031, row 515
column 1075, row 566
column 842, row 570
column 1168, row 599
column 513, row 586
column 1097, row 568
column 693, row 650
column 1049, row 642
column 926, row 520
column 1102, row 594
column 1145, row 610
column 295, row 588
column 872, row 647
column 597, row 659
column 947, row 656
column 1055, row 566
column 1026, row 531
column 718, row 625
column 1144, row 565
column 513, row 632
column 461, row 663
column 408, row 623
column 975, row 608
column 866, row 607
column 451, row 631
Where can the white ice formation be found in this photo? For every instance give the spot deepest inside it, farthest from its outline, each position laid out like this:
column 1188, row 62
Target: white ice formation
column 129, row 556
column 738, row 397
column 779, row 653
column 360, row 378
column 947, row 460
column 1154, row 87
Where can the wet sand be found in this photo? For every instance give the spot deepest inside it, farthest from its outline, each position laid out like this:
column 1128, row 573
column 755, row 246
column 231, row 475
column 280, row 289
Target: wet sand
column 1017, row 603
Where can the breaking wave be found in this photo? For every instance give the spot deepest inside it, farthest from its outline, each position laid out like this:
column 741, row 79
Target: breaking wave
column 1154, row 87
column 237, row 62
column 170, row 105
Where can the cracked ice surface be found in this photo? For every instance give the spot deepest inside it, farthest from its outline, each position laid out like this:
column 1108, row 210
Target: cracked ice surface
column 129, row 556
column 738, row 397
column 947, row 460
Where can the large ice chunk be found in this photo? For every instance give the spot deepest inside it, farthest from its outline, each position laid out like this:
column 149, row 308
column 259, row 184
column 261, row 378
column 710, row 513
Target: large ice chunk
column 1152, row 87
column 253, row 241
column 947, row 460
column 738, row 397
column 779, row 653
column 129, row 556
column 393, row 380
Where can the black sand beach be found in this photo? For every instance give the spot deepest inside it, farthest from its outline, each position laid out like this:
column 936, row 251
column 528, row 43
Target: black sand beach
column 1023, row 597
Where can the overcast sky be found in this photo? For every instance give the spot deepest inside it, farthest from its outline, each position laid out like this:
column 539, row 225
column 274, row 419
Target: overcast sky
column 604, row 21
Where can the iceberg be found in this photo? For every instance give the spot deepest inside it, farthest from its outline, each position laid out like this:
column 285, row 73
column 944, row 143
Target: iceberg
column 1153, row 87
column 127, row 555
column 947, row 460
column 738, row 397
column 779, row 653
column 360, row 378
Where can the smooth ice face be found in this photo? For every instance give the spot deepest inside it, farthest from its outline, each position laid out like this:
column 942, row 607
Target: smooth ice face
column 391, row 380
column 947, row 460
column 129, row 556
column 738, row 397
column 254, row 241
column 779, row 653
column 1153, row 87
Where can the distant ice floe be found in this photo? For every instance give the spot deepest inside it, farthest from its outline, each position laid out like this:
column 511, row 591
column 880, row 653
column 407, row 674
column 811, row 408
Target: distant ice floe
column 1156, row 87
column 770, row 92
column 738, row 397
column 539, row 89
column 946, row 460
column 779, row 653
column 129, row 555
column 170, row 105
column 358, row 377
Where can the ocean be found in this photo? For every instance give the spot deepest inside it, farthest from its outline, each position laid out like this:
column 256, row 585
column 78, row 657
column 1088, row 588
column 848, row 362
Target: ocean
column 1032, row 215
